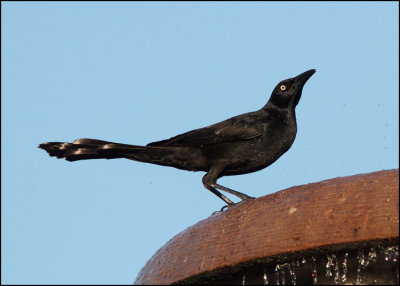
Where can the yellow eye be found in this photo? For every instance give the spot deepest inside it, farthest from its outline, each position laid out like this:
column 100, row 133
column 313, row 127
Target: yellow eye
column 283, row 87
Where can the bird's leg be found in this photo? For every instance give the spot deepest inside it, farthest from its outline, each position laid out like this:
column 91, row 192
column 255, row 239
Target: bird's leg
column 209, row 180
column 221, row 196
column 233, row 192
column 210, row 183
column 244, row 197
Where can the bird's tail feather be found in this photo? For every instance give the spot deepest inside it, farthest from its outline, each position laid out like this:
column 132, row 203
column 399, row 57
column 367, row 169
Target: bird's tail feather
column 80, row 149
column 84, row 149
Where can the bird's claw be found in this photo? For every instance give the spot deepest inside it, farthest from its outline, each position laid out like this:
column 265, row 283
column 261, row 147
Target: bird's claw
column 222, row 209
column 225, row 207
column 248, row 198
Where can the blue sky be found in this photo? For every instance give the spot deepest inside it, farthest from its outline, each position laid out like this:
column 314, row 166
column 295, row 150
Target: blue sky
column 135, row 72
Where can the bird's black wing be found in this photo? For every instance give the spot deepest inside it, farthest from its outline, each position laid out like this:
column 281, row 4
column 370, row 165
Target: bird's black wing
column 241, row 127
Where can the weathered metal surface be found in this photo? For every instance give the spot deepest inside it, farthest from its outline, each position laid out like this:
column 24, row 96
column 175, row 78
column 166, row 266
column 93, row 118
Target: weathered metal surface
column 336, row 211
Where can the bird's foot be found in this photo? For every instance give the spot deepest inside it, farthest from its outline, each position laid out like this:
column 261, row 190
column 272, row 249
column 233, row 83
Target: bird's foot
column 248, row 198
column 226, row 207
column 223, row 208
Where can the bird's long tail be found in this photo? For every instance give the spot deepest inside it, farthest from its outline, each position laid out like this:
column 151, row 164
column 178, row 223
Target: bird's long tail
column 84, row 149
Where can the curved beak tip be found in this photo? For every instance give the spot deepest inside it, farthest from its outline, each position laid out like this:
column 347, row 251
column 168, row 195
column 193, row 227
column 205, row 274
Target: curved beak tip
column 311, row 71
column 303, row 77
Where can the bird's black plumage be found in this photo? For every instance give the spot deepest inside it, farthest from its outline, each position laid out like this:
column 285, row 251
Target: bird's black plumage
column 242, row 144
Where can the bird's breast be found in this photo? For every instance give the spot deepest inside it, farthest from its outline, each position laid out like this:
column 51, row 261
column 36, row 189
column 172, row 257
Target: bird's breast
column 248, row 156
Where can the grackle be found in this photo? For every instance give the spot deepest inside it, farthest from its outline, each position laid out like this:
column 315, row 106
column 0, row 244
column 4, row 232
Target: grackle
column 242, row 144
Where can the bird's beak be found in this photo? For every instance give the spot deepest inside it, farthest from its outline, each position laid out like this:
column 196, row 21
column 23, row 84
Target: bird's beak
column 298, row 84
column 301, row 79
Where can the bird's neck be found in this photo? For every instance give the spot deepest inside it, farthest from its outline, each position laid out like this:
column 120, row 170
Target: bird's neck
column 271, row 107
column 285, row 114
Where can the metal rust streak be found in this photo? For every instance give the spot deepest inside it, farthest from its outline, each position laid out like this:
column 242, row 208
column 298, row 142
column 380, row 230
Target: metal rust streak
column 332, row 212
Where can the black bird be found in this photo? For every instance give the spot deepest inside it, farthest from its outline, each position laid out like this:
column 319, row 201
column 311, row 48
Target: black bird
column 242, row 144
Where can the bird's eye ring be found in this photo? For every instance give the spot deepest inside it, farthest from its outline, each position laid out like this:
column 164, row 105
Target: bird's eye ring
column 283, row 87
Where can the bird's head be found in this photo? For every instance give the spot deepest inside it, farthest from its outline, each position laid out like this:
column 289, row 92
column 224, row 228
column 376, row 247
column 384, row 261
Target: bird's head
column 288, row 92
